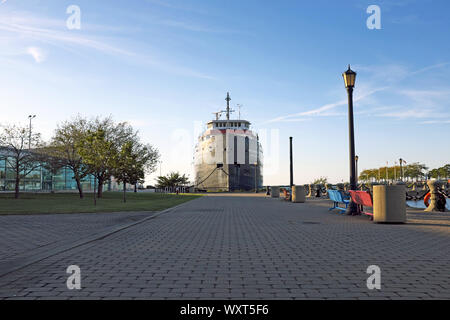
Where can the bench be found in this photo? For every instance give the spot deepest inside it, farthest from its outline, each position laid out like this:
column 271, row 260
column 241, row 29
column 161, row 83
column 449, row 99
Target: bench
column 337, row 197
column 362, row 199
column 287, row 194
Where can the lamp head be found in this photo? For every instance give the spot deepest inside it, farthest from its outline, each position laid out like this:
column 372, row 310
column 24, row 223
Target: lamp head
column 349, row 78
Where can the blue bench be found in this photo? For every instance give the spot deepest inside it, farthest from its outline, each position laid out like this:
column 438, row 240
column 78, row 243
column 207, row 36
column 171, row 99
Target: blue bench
column 337, row 197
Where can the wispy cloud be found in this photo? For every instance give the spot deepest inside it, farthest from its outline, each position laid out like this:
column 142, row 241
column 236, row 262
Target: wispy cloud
column 322, row 110
column 26, row 28
column 37, row 53
column 422, row 104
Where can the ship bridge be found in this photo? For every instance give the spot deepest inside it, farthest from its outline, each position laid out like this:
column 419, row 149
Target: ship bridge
column 229, row 124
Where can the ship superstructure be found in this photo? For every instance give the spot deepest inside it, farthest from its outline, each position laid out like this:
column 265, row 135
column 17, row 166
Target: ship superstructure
column 228, row 155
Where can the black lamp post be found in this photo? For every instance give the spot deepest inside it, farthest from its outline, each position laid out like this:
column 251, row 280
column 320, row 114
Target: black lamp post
column 349, row 80
column 291, row 172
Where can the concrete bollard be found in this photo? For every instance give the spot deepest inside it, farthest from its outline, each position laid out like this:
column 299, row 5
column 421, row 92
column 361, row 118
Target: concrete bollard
column 389, row 205
column 298, row 194
column 310, row 188
column 436, row 203
column 275, row 192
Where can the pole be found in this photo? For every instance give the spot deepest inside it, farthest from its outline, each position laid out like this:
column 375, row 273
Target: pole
column 291, row 168
column 31, row 117
column 256, row 179
column 352, row 208
column 395, row 171
column 95, row 189
column 292, row 164
column 401, row 169
column 387, row 175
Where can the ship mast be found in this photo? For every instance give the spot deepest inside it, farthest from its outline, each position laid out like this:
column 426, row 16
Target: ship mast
column 228, row 99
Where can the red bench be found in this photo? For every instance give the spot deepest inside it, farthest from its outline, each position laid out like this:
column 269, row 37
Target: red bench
column 362, row 199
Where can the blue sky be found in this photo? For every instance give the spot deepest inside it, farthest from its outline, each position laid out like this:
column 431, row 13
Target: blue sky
column 165, row 66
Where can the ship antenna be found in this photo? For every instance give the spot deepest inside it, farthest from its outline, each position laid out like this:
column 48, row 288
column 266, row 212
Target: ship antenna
column 239, row 106
column 228, row 99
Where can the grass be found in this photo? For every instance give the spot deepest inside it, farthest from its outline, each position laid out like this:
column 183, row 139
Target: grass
column 38, row 203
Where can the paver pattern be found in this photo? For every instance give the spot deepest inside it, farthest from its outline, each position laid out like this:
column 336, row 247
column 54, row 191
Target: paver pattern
column 22, row 234
column 250, row 248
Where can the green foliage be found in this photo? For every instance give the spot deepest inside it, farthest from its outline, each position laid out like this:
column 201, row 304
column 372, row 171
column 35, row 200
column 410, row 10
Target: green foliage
column 321, row 180
column 414, row 171
column 23, row 153
column 173, row 179
column 441, row 173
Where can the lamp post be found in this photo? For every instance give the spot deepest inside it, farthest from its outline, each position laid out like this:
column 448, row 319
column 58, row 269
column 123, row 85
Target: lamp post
column 349, row 80
column 401, row 169
column 395, row 171
column 256, row 177
column 31, row 117
column 387, row 174
column 356, row 168
column 291, row 167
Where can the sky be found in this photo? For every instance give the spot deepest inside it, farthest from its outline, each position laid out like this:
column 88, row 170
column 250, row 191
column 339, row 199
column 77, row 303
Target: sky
column 166, row 66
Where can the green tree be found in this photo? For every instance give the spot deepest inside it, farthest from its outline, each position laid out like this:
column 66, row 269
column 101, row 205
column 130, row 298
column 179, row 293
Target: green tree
column 23, row 152
column 173, row 179
column 133, row 161
column 64, row 150
column 321, row 180
column 101, row 145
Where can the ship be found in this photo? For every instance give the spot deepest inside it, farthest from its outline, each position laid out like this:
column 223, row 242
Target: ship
column 228, row 156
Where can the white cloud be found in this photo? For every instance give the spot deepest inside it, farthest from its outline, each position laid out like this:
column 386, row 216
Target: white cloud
column 25, row 27
column 37, row 53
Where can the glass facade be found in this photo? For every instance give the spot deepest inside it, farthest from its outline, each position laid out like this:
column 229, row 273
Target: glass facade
column 41, row 179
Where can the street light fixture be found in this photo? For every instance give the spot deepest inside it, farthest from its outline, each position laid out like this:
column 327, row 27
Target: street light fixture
column 31, row 117
column 349, row 80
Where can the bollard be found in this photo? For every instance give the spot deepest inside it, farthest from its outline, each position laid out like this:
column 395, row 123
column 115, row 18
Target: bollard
column 310, row 191
column 275, row 192
column 389, row 205
column 298, row 194
column 437, row 201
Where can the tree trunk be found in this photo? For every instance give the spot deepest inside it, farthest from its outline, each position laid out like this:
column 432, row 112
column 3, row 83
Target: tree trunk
column 79, row 186
column 124, row 192
column 16, row 192
column 100, row 188
column 135, row 187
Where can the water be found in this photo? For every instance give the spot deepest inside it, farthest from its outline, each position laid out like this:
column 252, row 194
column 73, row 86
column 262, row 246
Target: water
column 420, row 205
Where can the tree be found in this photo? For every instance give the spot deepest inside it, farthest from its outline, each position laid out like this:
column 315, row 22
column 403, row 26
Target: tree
column 19, row 157
column 321, row 180
column 64, row 149
column 101, row 145
column 171, row 180
column 133, row 161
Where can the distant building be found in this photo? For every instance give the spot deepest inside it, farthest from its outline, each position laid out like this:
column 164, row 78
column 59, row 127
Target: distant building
column 43, row 180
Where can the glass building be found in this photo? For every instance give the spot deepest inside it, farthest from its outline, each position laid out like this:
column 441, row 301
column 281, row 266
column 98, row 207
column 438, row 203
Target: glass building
column 43, row 180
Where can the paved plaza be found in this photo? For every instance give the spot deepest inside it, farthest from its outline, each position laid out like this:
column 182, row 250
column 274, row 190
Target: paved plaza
column 225, row 247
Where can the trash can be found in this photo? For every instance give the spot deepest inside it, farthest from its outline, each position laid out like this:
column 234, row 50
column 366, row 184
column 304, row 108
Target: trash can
column 298, row 194
column 275, row 192
column 389, row 204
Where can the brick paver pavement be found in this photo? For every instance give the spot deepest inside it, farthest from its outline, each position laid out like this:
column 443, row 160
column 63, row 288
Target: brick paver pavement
column 250, row 248
column 23, row 234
